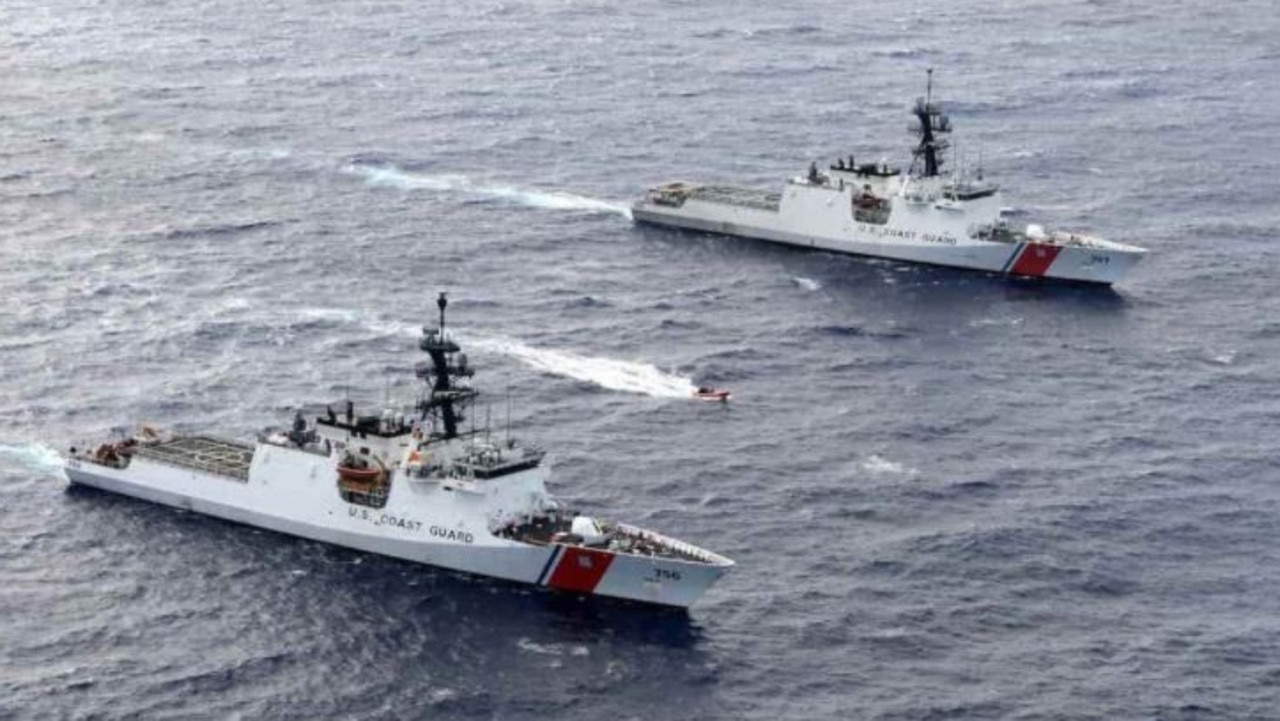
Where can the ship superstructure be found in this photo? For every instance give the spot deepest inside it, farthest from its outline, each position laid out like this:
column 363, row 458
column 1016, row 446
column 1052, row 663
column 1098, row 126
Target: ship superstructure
column 409, row 483
column 928, row 214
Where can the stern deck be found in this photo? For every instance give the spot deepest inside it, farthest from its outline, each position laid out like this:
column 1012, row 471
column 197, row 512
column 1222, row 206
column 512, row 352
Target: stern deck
column 744, row 197
column 676, row 194
column 202, row 453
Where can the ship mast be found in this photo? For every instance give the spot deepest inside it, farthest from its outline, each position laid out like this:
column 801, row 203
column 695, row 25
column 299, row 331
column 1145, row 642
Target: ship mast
column 932, row 123
column 447, row 398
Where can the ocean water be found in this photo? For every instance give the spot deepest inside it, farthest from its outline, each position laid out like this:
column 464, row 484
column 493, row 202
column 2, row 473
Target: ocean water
column 949, row 495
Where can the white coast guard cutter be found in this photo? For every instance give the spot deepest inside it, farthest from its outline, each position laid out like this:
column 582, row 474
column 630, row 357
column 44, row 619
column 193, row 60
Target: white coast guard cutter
column 925, row 215
column 416, row 488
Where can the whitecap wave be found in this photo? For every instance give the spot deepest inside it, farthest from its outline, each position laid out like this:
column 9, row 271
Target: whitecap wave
column 391, row 176
column 32, row 456
column 985, row 322
column 808, row 284
column 1224, row 358
column 441, row 695
column 611, row 373
column 883, row 466
column 542, row 649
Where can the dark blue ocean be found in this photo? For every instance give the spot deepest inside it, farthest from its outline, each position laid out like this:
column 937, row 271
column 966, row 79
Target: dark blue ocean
column 950, row 495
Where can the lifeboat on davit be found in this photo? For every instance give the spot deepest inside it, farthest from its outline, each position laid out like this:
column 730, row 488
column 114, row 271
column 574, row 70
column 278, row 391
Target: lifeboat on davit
column 358, row 475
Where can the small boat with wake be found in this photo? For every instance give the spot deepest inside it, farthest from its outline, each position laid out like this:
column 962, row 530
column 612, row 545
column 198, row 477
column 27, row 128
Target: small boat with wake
column 712, row 395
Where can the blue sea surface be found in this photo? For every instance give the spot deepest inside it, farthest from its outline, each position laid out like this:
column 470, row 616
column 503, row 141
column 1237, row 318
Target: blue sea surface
column 950, row 495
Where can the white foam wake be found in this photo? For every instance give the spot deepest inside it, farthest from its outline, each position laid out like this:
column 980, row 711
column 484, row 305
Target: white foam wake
column 391, row 176
column 32, row 456
column 336, row 315
column 365, row 320
column 618, row 375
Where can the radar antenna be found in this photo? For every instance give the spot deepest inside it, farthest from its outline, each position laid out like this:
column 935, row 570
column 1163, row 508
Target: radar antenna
column 932, row 122
column 442, row 302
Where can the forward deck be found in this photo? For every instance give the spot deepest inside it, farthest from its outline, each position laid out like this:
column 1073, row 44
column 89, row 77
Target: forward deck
column 202, row 453
column 619, row 538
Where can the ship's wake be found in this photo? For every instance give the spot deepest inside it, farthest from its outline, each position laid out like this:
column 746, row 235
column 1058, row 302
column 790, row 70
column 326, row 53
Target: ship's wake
column 391, row 176
column 32, row 456
column 369, row 321
column 611, row 373
column 618, row 375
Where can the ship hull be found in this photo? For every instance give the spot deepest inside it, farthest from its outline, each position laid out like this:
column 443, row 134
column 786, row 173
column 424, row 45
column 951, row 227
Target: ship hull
column 1102, row 266
column 399, row 534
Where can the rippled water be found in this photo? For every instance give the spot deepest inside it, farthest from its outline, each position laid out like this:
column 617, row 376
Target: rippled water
column 950, row 495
